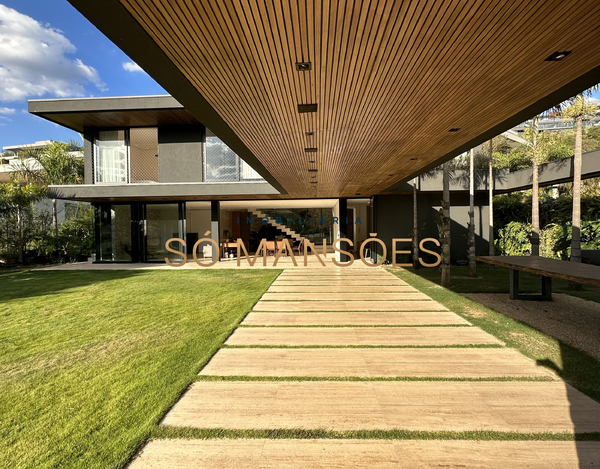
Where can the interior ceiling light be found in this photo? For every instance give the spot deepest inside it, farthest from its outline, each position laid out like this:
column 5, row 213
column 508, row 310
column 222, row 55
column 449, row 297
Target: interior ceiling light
column 310, row 134
column 312, row 170
column 303, row 66
column 304, row 108
column 390, row 175
column 311, row 161
column 313, row 182
column 413, row 159
column 358, row 193
column 454, row 129
column 310, row 150
column 558, row 55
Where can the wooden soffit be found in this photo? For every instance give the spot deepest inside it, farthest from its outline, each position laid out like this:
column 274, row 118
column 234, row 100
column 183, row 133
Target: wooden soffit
column 390, row 78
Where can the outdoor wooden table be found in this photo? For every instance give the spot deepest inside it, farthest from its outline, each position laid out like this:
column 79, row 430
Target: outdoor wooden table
column 547, row 268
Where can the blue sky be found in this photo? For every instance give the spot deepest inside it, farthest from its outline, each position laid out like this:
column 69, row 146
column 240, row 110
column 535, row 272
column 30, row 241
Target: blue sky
column 62, row 56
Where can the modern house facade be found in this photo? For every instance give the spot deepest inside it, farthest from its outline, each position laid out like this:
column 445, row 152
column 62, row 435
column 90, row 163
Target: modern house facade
column 154, row 172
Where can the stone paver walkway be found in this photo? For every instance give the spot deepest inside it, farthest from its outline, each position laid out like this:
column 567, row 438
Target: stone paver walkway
column 358, row 349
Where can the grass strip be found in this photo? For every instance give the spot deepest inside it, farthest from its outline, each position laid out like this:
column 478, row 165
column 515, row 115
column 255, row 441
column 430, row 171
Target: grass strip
column 206, row 433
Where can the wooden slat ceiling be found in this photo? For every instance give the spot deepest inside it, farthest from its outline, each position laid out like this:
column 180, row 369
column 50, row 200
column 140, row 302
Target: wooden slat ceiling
column 390, row 77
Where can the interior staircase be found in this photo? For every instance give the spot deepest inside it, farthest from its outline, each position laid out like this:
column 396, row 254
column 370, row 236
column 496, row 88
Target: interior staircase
column 284, row 229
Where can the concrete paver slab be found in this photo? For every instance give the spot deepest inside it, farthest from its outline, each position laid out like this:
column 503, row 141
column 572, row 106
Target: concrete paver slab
column 401, row 318
column 325, row 305
column 372, row 454
column 369, row 363
column 343, row 296
column 420, row 406
column 343, row 336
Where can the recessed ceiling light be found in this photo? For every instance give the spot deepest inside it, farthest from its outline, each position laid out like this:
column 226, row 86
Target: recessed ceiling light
column 390, row 175
column 310, row 150
column 558, row 55
column 303, row 108
column 303, row 66
column 313, row 182
column 413, row 159
column 310, row 134
column 312, row 170
column 358, row 193
column 311, row 161
column 454, row 129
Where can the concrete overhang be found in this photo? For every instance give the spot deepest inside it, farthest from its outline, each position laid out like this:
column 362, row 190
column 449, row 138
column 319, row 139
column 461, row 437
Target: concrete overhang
column 163, row 191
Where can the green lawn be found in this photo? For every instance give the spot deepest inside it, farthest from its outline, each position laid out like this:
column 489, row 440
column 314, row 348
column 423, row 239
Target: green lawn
column 492, row 279
column 573, row 365
column 91, row 360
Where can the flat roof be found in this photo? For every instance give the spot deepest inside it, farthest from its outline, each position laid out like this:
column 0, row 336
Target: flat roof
column 120, row 111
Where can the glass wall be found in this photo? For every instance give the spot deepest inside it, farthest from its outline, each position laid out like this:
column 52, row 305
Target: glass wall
column 163, row 222
column 114, row 229
column 221, row 164
column 110, row 157
column 137, row 232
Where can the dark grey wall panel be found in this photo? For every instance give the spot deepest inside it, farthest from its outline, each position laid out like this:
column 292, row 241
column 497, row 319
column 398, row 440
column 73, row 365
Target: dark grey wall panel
column 394, row 215
column 88, row 142
column 180, row 153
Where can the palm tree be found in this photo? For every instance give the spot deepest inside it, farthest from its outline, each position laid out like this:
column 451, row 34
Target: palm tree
column 471, row 238
column 52, row 165
column 578, row 109
column 416, row 263
column 445, row 224
column 491, row 250
column 14, row 199
column 536, row 159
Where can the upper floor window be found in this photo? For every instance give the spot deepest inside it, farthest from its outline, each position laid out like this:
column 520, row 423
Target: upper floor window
column 111, row 159
column 223, row 165
column 123, row 156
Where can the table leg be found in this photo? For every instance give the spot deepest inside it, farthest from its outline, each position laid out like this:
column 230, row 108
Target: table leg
column 547, row 288
column 514, row 284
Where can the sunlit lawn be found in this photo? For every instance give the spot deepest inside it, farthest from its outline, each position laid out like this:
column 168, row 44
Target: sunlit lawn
column 90, row 361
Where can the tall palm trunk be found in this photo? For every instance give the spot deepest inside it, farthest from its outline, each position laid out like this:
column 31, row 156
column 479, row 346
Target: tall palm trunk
column 416, row 264
column 445, row 226
column 471, row 243
column 55, row 217
column 21, row 247
column 535, row 195
column 492, row 250
column 576, row 238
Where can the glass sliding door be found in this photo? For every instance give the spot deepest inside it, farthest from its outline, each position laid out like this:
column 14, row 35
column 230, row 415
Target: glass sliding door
column 114, row 233
column 111, row 157
column 163, row 222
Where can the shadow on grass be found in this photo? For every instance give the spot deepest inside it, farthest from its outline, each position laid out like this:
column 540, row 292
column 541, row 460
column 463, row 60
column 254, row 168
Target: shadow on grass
column 25, row 283
column 579, row 370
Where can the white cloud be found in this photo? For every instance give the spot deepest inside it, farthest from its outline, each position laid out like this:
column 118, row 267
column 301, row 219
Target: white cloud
column 33, row 61
column 132, row 67
column 7, row 110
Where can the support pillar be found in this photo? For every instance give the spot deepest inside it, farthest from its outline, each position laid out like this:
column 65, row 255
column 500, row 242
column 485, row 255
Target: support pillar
column 215, row 226
column 343, row 228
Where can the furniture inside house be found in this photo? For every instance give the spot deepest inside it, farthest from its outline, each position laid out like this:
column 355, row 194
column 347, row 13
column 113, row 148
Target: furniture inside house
column 547, row 269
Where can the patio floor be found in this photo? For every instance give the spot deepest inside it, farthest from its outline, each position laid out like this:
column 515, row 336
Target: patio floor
column 369, row 357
